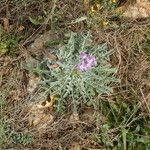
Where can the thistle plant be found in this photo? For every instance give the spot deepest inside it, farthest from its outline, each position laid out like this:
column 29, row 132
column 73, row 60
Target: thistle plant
column 83, row 72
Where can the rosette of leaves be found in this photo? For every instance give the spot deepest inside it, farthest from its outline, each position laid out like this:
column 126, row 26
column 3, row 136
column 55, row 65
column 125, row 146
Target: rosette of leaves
column 67, row 82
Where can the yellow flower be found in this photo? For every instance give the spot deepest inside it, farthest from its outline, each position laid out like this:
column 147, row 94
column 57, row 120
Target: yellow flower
column 104, row 23
column 114, row 1
column 96, row 7
column 93, row 9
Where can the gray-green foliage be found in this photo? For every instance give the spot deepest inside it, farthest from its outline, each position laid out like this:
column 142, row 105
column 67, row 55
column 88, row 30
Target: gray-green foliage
column 67, row 82
column 21, row 138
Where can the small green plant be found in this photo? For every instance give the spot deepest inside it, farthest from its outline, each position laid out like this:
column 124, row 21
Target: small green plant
column 102, row 14
column 21, row 138
column 125, row 127
column 8, row 43
column 4, row 134
column 108, row 4
column 83, row 72
column 146, row 46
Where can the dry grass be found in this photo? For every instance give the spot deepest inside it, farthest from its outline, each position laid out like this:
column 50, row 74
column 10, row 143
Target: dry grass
column 129, row 56
column 132, row 61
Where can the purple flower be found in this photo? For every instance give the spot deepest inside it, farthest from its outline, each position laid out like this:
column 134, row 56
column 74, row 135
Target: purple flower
column 81, row 66
column 91, row 60
column 83, row 55
column 86, row 62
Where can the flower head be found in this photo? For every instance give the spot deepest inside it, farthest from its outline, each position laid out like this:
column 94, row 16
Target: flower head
column 86, row 62
column 83, row 55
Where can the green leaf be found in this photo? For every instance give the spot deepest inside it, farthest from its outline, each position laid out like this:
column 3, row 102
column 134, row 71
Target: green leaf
column 34, row 21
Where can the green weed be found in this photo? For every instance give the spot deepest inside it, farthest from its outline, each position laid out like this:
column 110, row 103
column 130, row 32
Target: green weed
column 146, row 46
column 21, row 138
column 101, row 15
column 126, row 128
column 3, row 122
column 8, row 43
column 66, row 82
column 8, row 136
